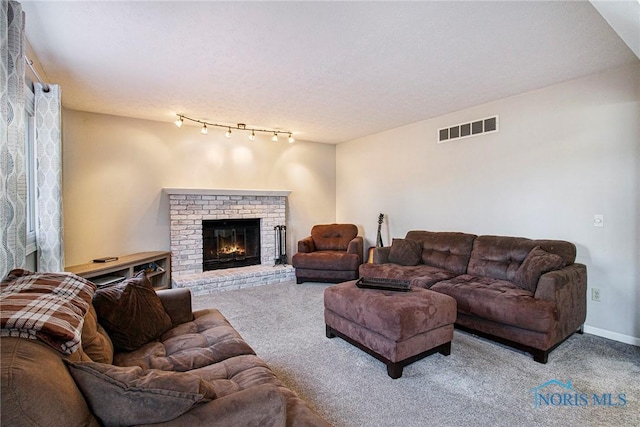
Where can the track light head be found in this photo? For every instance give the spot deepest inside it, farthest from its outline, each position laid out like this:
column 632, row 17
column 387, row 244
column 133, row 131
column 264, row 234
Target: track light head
column 179, row 121
column 228, row 134
column 275, row 137
column 252, row 137
column 204, row 130
column 291, row 140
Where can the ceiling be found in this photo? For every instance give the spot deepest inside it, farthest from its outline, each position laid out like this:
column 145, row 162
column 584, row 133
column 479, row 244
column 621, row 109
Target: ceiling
column 327, row 71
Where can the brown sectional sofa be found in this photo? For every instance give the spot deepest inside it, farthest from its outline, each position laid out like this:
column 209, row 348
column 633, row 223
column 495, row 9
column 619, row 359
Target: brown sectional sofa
column 225, row 383
column 530, row 294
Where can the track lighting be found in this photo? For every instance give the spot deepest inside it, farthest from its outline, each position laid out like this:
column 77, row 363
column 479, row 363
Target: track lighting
column 240, row 126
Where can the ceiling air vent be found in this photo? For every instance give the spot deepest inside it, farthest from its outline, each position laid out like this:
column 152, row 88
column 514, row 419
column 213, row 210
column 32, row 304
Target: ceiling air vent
column 466, row 130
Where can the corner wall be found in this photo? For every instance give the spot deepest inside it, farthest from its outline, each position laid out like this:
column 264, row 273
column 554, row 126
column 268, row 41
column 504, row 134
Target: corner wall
column 563, row 154
column 115, row 169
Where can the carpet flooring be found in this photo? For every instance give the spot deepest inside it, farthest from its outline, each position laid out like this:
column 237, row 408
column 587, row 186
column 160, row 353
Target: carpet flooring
column 481, row 383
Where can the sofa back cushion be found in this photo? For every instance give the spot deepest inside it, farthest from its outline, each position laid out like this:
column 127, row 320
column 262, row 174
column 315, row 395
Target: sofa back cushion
column 95, row 340
column 500, row 257
column 333, row 237
column 37, row 389
column 446, row 250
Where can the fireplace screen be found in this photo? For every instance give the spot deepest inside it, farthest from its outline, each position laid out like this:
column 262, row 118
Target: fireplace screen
column 230, row 243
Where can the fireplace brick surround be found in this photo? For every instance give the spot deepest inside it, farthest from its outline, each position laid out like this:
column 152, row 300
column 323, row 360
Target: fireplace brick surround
column 188, row 207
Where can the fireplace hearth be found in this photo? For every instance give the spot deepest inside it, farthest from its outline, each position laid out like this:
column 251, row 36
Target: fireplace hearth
column 230, row 243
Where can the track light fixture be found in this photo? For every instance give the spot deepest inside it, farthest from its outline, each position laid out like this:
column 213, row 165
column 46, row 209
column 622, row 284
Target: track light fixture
column 240, row 126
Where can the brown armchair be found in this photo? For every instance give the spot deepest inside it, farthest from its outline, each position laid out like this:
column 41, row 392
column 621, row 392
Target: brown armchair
column 333, row 253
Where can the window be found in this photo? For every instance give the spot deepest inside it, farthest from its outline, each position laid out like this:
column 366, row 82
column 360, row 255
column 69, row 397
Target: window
column 30, row 168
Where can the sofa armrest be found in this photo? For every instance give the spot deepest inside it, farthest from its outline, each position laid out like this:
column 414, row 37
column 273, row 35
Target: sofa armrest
column 381, row 255
column 306, row 245
column 356, row 246
column 177, row 304
column 262, row 405
column 567, row 289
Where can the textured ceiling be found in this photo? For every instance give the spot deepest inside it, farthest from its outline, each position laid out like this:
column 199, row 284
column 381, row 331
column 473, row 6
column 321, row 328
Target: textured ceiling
column 328, row 71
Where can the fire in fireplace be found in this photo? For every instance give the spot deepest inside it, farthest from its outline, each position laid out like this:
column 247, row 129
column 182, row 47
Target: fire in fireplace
column 230, row 243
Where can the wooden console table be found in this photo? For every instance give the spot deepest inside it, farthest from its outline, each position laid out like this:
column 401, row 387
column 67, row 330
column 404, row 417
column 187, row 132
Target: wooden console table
column 157, row 264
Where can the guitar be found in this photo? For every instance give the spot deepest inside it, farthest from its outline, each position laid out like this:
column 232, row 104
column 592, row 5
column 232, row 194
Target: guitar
column 379, row 243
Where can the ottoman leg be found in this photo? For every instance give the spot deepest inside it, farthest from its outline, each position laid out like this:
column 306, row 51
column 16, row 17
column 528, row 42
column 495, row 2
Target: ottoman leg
column 445, row 349
column 329, row 331
column 394, row 370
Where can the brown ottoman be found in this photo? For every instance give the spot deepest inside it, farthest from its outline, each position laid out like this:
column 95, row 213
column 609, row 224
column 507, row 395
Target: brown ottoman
column 397, row 328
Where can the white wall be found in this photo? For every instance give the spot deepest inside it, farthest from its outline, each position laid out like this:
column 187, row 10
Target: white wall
column 115, row 169
column 563, row 154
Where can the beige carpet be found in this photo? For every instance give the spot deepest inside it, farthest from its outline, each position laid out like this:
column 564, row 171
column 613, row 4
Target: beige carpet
column 480, row 384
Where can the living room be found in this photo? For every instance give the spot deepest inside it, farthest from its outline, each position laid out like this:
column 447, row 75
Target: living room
column 566, row 150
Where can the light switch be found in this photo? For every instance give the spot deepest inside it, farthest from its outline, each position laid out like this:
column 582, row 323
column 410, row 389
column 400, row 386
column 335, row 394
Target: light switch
column 598, row 220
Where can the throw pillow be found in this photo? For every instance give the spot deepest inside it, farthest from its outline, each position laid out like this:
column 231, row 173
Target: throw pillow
column 129, row 395
column 95, row 340
column 537, row 262
column 405, row 252
column 131, row 312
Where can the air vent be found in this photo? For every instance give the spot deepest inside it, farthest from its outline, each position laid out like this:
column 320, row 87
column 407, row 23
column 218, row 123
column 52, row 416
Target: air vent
column 466, row 130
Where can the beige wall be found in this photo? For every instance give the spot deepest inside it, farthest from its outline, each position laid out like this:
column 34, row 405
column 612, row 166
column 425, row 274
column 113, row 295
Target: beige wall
column 563, row 154
column 115, row 169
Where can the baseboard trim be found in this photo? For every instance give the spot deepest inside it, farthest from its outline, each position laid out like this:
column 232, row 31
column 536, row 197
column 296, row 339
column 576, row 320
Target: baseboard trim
column 627, row 339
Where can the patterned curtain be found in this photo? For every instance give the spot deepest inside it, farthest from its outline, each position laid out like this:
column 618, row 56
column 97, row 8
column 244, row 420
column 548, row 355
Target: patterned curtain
column 13, row 184
column 49, row 178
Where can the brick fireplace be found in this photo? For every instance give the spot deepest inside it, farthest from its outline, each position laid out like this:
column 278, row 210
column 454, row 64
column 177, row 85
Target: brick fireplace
column 188, row 207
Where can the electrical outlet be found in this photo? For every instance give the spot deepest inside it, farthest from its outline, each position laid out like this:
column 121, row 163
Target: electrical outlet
column 595, row 294
column 598, row 220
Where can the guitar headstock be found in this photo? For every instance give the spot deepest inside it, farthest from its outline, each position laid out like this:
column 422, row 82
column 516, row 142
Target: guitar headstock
column 380, row 219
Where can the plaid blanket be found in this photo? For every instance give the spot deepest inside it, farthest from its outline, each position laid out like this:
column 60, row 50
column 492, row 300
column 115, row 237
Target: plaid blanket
column 45, row 306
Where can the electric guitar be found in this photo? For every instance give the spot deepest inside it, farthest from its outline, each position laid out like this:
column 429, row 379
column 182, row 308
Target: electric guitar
column 379, row 243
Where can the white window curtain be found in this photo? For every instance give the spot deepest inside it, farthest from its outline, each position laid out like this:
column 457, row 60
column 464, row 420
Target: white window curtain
column 13, row 188
column 49, row 178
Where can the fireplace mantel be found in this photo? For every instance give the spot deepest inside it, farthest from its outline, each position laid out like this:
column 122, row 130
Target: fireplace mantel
column 225, row 192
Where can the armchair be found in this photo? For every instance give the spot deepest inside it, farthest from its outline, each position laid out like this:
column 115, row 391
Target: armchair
column 333, row 253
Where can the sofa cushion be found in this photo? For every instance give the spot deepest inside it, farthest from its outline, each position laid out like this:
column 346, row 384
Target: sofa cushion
column 326, row 260
column 499, row 301
column 405, row 252
column 95, row 340
column 333, row 237
column 208, row 339
column 500, row 257
column 121, row 396
column 420, row 276
column 446, row 250
column 537, row 262
column 131, row 312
